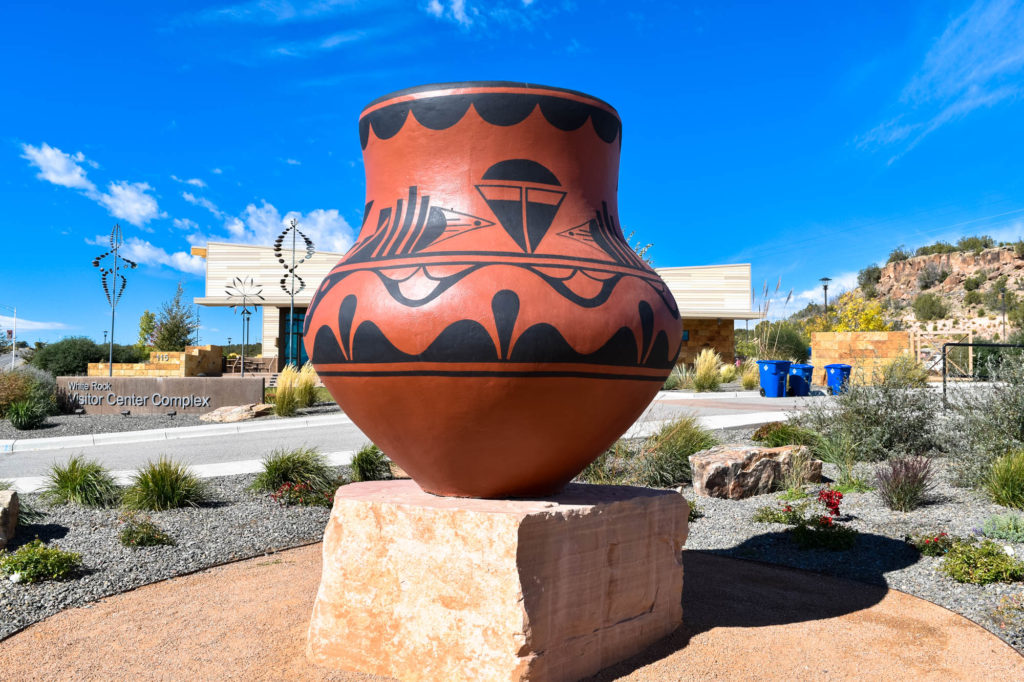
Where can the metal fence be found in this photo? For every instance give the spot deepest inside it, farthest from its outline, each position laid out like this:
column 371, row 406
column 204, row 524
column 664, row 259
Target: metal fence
column 984, row 358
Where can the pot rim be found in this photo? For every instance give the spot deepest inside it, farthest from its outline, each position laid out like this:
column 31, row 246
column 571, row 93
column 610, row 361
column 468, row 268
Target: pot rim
column 430, row 87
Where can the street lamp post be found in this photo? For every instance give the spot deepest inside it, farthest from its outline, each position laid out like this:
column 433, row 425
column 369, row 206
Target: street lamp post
column 114, row 282
column 824, row 285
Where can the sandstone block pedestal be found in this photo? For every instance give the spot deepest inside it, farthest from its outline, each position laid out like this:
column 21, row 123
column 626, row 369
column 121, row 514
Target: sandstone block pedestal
column 420, row 587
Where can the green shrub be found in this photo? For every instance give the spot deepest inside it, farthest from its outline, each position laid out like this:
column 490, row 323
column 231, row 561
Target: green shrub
column 974, row 282
column 696, row 511
column 977, row 244
column 981, row 563
column 786, row 513
column 937, row 247
column 932, row 545
column 812, row 529
column 868, row 279
column 928, row 307
column 71, row 356
column 1009, row 613
column 898, row 254
column 28, row 384
column 34, row 562
column 904, row 484
column 140, row 531
column 301, row 465
column 302, row 494
column 370, row 464
column 777, row 434
column 972, row 298
column 986, row 421
column 164, row 484
column 1018, row 248
column 26, row 415
column 1008, row 527
column 833, row 537
column 677, row 379
column 81, row 481
column 840, row 450
column 664, row 459
column 1005, row 483
column 906, row 371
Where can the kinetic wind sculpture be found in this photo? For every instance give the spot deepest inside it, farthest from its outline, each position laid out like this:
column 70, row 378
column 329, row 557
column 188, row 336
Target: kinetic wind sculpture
column 291, row 283
column 113, row 279
column 245, row 289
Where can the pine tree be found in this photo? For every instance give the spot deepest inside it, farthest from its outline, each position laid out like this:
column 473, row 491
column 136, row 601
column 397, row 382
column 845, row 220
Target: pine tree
column 176, row 324
column 147, row 330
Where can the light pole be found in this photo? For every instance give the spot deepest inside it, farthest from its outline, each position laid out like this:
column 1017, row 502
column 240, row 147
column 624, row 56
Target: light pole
column 104, row 337
column 114, row 282
column 291, row 282
column 824, row 285
column 14, row 340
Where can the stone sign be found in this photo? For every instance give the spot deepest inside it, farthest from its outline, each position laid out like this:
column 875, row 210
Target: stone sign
column 159, row 395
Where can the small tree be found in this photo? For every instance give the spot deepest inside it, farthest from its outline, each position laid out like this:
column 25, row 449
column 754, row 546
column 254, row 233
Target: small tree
column 147, row 330
column 929, row 307
column 176, row 324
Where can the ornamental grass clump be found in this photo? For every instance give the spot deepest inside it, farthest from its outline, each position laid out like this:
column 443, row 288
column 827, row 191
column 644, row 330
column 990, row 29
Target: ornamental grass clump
column 370, row 464
column 83, row 482
column 840, row 450
column 1005, row 482
column 286, row 400
column 728, row 373
column 26, row 415
column 678, row 378
column 981, row 563
column 706, row 376
column 140, row 531
column 303, row 465
column 664, row 459
column 904, row 484
column 750, row 377
column 164, row 484
column 777, row 434
column 305, row 386
column 34, row 562
column 1009, row 527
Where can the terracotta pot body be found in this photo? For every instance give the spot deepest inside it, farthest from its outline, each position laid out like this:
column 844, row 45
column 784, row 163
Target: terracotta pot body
column 491, row 330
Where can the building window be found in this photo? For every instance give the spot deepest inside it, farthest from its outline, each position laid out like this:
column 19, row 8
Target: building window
column 686, row 335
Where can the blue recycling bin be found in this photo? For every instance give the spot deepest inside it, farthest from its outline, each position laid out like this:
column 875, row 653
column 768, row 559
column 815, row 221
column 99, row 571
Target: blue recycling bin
column 773, row 377
column 800, row 377
column 836, row 377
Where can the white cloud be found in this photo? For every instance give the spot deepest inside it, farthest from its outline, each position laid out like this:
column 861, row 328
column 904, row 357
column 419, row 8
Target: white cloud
column 58, row 168
column 466, row 13
column 261, row 225
column 293, row 162
column 195, row 182
column 7, row 322
column 276, row 11
column 328, row 43
column 976, row 63
column 130, row 201
column 217, row 171
column 436, row 8
column 146, row 253
column 185, row 224
column 204, row 203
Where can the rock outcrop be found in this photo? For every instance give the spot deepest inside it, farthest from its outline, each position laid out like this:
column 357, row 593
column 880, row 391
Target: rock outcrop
column 737, row 471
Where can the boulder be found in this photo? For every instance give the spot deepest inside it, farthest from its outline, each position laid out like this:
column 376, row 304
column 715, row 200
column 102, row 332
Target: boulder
column 8, row 516
column 237, row 413
column 735, row 471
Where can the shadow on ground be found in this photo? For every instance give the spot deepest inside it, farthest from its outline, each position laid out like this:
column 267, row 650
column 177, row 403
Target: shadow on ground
column 47, row 532
column 726, row 592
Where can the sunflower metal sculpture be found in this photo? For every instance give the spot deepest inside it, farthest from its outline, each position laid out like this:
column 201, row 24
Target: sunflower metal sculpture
column 246, row 290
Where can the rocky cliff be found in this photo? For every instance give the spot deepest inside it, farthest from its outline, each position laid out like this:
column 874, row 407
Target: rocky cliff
column 899, row 279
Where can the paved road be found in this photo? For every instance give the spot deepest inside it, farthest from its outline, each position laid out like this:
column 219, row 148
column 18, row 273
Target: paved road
column 220, row 454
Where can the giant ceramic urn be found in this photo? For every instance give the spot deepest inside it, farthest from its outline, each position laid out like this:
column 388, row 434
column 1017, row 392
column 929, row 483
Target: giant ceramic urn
column 491, row 329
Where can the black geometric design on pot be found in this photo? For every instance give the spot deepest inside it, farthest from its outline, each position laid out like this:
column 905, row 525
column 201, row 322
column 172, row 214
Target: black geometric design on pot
column 410, row 227
column 505, row 306
column 441, row 284
column 500, row 109
column 525, row 211
column 603, row 233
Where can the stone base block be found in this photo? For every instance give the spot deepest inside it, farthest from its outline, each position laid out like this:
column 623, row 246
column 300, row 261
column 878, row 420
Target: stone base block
column 420, row 587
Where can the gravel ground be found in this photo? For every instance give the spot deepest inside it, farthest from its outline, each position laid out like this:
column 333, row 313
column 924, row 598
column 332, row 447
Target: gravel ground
column 72, row 425
column 881, row 557
column 239, row 524
column 236, row 524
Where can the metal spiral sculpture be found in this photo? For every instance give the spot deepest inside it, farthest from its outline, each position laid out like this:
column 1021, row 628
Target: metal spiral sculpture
column 113, row 279
column 291, row 282
column 245, row 289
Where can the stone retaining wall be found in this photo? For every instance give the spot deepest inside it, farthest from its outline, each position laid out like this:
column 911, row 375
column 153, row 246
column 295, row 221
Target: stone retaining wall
column 867, row 352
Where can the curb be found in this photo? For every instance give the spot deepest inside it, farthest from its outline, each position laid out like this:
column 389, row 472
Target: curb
column 151, row 435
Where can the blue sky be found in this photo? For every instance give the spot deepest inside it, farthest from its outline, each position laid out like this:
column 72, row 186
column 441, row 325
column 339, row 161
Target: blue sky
column 806, row 138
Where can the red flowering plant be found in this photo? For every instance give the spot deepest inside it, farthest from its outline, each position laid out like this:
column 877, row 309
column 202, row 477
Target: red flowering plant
column 931, row 544
column 290, row 494
column 810, row 528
